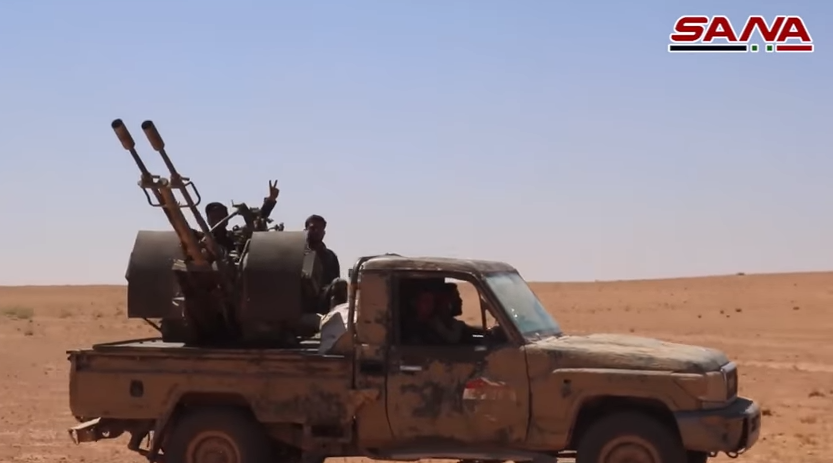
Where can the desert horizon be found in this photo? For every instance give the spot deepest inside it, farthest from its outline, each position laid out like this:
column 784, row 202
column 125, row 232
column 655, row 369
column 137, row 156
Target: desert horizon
column 531, row 281
column 775, row 326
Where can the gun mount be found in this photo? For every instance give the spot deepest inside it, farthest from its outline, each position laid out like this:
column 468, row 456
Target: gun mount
column 259, row 292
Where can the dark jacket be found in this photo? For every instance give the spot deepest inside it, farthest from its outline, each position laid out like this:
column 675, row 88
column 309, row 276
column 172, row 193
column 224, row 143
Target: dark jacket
column 222, row 236
column 416, row 332
column 224, row 239
column 330, row 268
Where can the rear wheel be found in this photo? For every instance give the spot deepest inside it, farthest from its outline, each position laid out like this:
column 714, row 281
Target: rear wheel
column 629, row 437
column 218, row 435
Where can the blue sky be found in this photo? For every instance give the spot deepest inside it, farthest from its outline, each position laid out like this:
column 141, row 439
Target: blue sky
column 558, row 136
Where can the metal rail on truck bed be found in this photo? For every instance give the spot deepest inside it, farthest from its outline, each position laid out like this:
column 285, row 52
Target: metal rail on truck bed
column 156, row 344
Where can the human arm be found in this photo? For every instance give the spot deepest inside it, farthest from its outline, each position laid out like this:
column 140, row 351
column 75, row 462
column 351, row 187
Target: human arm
column 267, row 207
column 270, row 200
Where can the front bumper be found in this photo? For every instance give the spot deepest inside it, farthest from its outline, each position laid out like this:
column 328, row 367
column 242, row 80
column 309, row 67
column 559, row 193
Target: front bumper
column 731, row 429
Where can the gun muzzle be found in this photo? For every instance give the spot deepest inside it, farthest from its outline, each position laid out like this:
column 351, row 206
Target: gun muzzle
column 123, row 135
column 153, row 136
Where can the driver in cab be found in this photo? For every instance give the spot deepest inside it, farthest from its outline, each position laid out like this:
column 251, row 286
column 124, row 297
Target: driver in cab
column 422, row 324
column 430, row 318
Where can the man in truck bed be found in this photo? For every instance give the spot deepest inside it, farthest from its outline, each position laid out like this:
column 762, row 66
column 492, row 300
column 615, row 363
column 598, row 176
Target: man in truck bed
column 215, row 212
column 316, row 228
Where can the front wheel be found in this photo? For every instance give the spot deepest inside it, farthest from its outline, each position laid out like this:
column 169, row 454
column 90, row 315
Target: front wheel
column 213, row 435
column 629, row 437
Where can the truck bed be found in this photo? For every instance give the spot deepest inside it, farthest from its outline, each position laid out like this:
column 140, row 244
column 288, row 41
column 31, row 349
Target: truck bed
column 143, row 378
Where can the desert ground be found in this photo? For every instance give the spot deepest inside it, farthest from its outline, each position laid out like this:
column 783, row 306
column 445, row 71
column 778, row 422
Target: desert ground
column 776, row 327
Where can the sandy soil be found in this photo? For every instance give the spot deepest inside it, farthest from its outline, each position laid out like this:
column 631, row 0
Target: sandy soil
column 777, row 327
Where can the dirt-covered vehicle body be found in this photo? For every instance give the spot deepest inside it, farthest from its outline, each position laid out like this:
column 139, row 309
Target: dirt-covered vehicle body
column 534, row 395
column 242, row 380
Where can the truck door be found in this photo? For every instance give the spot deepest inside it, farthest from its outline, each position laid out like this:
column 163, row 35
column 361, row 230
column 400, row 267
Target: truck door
column 470, row 393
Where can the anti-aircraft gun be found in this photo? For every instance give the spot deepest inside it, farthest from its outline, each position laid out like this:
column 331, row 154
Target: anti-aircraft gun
column 263, row 293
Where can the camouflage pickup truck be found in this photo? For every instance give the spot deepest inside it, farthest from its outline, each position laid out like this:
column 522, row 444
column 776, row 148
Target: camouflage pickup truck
column 519, row 390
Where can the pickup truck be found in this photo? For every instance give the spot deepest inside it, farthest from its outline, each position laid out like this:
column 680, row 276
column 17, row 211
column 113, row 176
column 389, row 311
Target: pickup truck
column 524, row 391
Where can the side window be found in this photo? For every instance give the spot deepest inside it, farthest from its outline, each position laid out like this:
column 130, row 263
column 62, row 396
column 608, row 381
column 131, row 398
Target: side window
column 436, row 310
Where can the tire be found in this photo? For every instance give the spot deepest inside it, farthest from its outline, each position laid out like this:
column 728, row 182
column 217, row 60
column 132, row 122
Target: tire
column 629, row 437
column 697, row 457
column 230, row 431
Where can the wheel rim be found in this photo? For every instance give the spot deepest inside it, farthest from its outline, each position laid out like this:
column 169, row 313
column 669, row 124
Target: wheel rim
column 629, row 449
column 212, row 447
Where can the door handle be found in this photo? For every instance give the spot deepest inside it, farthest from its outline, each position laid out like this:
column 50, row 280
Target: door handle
column 410, row 368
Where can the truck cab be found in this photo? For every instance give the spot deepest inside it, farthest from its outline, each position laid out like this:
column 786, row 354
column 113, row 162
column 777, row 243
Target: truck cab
column 472, row 392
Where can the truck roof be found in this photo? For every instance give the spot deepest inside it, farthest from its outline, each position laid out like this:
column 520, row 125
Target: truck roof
column 396, row 262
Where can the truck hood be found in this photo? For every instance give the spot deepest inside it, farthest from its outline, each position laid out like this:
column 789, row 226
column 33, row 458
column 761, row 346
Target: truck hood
column 630, row 352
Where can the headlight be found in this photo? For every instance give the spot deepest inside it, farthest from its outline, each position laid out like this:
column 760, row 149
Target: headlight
column 730, row 373
column 715, row 388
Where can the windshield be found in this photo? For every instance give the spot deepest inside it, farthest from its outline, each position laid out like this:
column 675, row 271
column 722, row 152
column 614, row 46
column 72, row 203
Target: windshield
column 522, row 306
